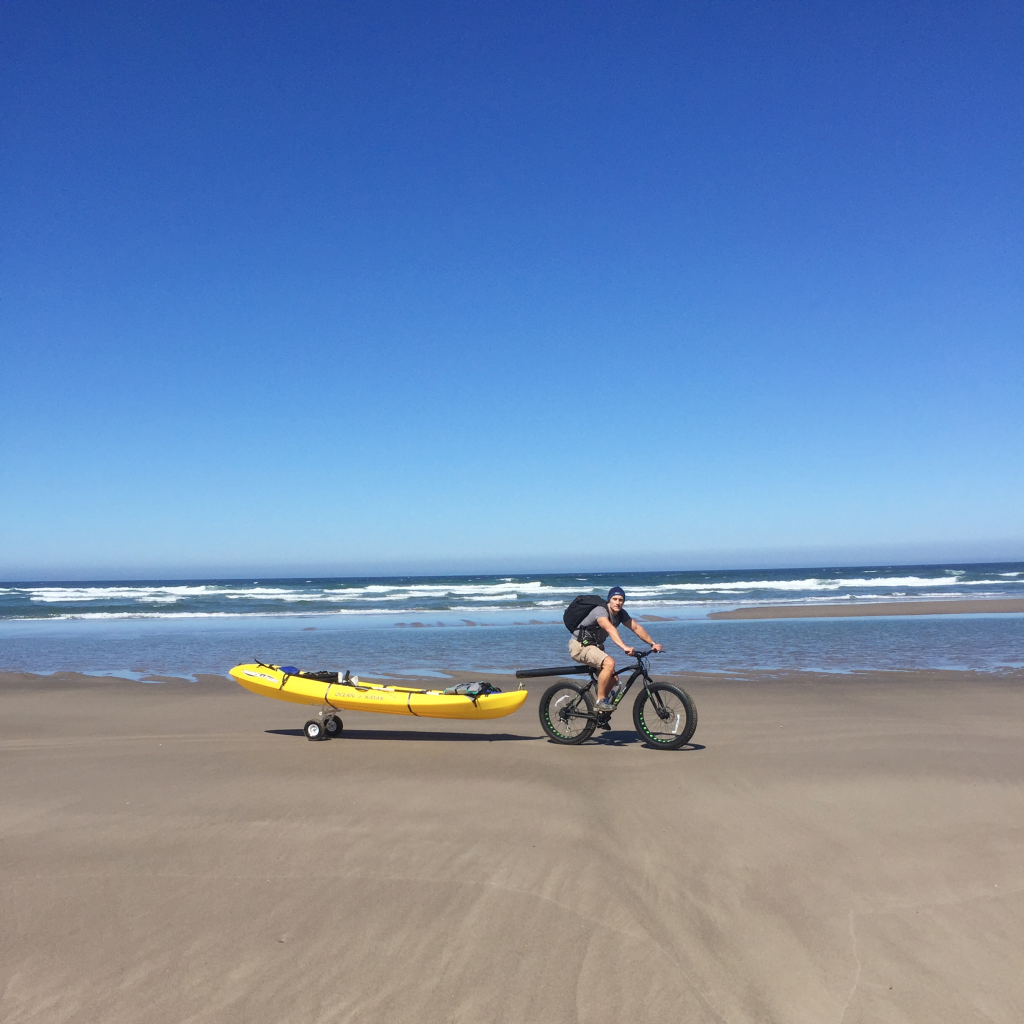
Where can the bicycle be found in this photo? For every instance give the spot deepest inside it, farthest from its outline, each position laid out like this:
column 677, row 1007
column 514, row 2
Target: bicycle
column 664, row 716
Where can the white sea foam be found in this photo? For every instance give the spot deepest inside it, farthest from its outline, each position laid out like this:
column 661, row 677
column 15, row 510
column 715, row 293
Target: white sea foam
column 62, row 595
column 504, row 590
column 811, row 584
column 234, row 615
column 170, row 594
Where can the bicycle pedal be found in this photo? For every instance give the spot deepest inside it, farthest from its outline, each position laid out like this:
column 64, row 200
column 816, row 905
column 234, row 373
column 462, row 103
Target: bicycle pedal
column 604, row 721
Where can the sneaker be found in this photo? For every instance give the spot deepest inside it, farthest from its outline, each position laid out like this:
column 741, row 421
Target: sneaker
column 604, row 705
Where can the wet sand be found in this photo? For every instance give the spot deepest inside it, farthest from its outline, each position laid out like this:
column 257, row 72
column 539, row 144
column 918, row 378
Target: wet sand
column 845, row 849
column 854, row 608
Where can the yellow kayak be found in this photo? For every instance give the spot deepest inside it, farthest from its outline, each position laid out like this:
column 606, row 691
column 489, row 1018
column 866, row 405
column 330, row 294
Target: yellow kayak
column 351, row 693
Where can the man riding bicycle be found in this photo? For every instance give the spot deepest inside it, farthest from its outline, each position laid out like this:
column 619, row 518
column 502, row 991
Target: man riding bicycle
column 587, row 643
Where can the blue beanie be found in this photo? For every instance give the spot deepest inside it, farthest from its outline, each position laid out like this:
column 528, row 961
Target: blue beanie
column 614, row 591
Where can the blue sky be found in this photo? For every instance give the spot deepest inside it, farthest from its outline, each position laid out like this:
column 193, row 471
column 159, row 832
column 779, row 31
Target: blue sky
column 329, row 288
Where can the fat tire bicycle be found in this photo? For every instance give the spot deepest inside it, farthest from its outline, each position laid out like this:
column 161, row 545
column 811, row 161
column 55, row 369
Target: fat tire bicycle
column 664, row 715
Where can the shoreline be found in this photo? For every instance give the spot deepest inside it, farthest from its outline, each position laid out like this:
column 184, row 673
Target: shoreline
column 71, row 681
column 979, row 606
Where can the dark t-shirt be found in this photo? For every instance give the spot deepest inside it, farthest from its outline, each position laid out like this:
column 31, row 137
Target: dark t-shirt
column 590, row 632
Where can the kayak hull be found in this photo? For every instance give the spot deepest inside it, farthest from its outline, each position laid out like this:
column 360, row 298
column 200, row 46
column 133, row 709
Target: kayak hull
column 270, row 681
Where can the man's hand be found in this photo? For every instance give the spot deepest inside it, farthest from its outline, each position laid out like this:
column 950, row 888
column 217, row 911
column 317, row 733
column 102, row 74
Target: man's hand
column 655, row 647
column 628, row 650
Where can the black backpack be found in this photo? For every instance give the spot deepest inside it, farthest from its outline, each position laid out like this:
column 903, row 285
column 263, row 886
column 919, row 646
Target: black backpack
column 580, row 608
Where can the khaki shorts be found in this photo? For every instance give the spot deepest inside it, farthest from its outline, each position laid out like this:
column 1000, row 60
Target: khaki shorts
column 589, row 655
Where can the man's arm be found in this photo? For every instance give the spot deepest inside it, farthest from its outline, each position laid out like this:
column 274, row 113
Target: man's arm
column 606, row 625
column 643, row 634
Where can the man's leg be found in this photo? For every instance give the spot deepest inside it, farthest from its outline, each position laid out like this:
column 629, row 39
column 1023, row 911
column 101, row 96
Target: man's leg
column 605, row 676
column 595, row 658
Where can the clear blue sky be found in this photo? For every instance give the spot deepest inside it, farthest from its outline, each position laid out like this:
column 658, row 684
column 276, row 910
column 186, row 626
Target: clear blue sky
column 349, row 287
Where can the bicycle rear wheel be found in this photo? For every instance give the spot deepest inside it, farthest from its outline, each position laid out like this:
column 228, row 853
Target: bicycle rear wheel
column 567, row 713
column 665, row 716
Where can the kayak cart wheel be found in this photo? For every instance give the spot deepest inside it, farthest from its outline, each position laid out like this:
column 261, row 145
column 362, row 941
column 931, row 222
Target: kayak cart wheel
column 333, row 726
column 314, row 729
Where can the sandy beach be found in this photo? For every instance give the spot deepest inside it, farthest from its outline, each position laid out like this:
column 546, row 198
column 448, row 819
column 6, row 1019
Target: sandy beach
column 830, row 611
column 833, row 848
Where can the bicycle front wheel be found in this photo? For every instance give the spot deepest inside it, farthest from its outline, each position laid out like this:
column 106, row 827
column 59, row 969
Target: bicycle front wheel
column 665, row 716
column 567, row 713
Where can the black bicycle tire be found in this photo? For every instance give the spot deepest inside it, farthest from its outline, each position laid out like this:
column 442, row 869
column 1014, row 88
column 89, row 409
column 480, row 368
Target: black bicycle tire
column 549, row 727
column 691, row 717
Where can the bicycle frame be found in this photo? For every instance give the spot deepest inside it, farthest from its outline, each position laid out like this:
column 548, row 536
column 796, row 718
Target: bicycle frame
column 640, row 671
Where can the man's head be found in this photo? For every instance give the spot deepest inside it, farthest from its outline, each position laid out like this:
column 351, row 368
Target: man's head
column 616, row 599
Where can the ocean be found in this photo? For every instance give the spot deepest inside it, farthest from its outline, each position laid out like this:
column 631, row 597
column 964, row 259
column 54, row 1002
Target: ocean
column 431, row 625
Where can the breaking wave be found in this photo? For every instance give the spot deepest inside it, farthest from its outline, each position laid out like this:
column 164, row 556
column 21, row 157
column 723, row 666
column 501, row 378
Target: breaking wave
column 178, row 599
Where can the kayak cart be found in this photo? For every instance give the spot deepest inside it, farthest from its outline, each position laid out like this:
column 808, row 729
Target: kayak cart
column 338, row 691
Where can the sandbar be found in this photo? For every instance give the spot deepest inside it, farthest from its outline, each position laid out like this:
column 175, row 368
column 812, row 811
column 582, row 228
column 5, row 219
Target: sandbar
column 982, row 606
column 831, row 848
